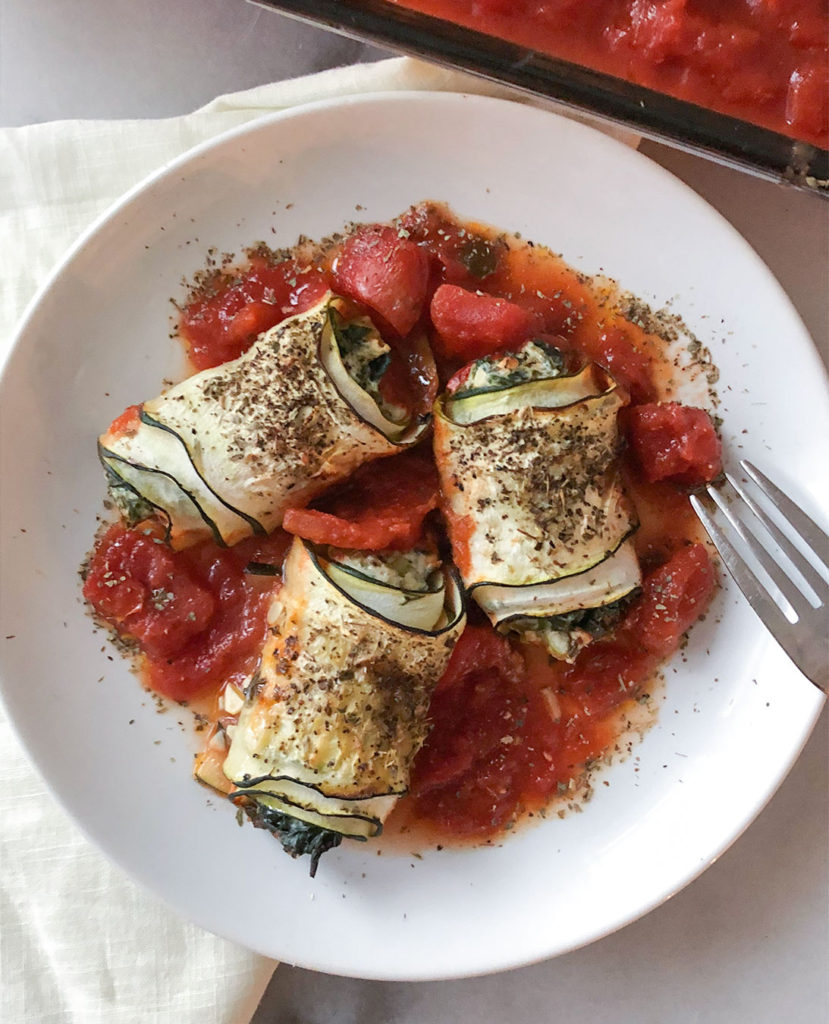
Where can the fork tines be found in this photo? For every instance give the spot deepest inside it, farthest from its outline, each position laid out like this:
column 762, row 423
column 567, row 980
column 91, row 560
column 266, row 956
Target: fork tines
column 779, row 558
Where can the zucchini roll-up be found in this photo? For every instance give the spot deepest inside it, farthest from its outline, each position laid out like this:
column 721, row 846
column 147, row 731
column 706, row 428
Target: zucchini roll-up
column 223, row 454
column 337, row 708
column 538, row 518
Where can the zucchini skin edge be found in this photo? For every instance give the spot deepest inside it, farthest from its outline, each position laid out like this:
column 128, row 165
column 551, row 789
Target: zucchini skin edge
column 555, row 579
column 254, row 524
column 451, row 572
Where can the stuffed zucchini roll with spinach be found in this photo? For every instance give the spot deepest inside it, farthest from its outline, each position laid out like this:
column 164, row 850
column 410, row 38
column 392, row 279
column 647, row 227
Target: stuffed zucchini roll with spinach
column 337, row 709
column 540, row 525
column 224, row 453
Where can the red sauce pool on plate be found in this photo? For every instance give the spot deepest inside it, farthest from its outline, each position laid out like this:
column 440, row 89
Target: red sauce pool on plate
column 197, row 615
column 512, row 730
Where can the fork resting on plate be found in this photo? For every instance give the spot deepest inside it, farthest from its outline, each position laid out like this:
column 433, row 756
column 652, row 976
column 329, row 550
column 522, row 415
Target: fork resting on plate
column 786, row 581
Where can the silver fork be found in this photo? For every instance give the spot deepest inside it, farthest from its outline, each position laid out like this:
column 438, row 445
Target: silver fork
column 785, row 582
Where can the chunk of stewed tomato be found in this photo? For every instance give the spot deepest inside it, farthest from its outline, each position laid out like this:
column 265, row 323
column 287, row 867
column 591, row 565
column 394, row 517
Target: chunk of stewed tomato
column 142, row 588
column 199, row 617
column 380, row 506
column 384, row 271
column 673, row 597
column 471, row 324
column 604, row 675
column 222, row 324
column 463, row 775
column 674, row 442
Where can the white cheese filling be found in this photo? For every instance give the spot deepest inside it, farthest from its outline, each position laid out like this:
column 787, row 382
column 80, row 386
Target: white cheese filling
column 355, row 357
column 406, row 570
column 533, row 361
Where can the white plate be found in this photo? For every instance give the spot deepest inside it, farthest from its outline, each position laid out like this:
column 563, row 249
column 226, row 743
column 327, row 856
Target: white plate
column 96, row 340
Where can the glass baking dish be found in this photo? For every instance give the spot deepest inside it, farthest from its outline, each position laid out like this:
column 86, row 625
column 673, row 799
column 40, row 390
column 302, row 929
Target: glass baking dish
column 655, row 115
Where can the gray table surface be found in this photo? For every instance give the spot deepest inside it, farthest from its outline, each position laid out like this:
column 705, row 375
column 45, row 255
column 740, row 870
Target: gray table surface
column 749, row 940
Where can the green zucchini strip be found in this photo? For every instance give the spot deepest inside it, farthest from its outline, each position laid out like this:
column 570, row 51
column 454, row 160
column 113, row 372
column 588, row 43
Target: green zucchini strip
column 339, row 705
column 162, row 491
column 550, row 393
column 418, row 609
column 363, row 819
column 256, row 527
column 605, row 583
column 132, row 506
column 254, row 436
column 156, row 463
column 538, row 517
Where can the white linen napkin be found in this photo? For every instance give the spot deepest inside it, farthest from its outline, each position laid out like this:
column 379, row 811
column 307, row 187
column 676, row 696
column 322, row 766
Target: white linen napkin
column 80, row 943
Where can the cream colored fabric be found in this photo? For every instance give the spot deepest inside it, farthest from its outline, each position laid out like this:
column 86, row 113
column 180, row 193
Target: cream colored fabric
column 80, row 943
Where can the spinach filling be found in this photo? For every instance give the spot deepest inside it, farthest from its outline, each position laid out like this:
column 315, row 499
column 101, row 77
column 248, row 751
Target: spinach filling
column 377, row 367
column 536, row 360
column 132, row 506
column 297, row 837
column 563, row 635
column 349, row 336
column 595, row 621
column 479, row 257
column 366, row 357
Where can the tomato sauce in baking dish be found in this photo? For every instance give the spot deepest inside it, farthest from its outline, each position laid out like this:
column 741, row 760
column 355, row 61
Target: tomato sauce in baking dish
column 514, row 717
column 763, row 61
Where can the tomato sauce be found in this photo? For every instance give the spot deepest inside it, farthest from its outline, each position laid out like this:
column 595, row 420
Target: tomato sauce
column 511, row 729
column 539, row 295
column 228, row 312
column 763, row 61
column 373, row 510
column 197, row 615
